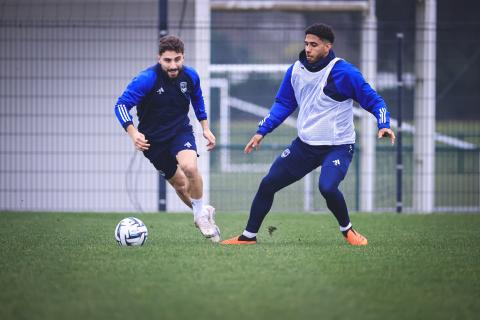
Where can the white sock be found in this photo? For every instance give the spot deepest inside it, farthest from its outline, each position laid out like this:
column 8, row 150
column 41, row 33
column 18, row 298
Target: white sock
column 197, row 206
column 249, row 234
column 342, row 229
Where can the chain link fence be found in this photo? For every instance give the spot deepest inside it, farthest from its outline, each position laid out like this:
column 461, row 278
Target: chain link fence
column 63, row 65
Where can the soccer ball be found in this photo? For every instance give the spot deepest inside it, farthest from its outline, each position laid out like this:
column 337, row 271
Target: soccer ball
column 131, row 232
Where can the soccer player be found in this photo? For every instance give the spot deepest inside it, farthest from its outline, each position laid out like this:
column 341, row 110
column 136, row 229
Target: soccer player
column 323, row 87
column 162, row 94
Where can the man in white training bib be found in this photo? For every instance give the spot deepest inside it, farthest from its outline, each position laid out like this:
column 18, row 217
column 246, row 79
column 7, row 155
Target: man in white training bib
column 324, row 88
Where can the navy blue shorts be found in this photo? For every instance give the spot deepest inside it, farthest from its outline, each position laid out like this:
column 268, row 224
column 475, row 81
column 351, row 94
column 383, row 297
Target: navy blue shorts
column 163, row 155
column 301, row 158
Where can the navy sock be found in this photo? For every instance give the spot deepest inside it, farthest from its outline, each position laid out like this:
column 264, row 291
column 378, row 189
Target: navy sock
column 346, row 231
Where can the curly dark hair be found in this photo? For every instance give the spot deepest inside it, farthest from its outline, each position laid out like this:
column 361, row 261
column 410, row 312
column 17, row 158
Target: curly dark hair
column 323, row 31
column 170, row 43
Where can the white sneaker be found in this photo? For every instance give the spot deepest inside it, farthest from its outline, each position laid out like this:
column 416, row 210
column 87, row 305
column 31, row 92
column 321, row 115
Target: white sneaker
column 202, row 222
column 211, row 218
column 211, row 213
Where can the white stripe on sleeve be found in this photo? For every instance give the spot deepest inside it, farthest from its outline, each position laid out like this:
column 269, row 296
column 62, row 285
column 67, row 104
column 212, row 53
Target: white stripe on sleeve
column 383, row 116
column 119, row 110
column 125, row 116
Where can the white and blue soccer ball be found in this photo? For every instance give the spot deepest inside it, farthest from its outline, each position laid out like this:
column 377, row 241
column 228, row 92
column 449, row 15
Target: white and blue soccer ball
column 131, row 231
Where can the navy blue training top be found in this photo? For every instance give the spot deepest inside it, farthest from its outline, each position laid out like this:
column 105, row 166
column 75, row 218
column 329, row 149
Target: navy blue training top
column 162, row 103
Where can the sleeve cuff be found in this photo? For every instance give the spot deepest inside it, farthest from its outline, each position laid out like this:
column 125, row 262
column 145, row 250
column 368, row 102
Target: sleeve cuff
column 126, row 124
column 383, row 126
column 262, row 131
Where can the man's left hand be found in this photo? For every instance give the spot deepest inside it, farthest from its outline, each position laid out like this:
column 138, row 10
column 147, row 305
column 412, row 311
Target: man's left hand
column 387, row 132
column 207, row 134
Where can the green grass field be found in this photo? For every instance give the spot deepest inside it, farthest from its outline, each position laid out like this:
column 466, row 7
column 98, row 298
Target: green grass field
column 68, row 266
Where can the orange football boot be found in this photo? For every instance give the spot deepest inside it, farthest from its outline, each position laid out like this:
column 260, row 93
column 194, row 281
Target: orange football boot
column 355, row 238
column 236, row 240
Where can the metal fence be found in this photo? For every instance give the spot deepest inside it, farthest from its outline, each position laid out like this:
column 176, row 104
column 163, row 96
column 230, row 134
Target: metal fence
column 62, row 66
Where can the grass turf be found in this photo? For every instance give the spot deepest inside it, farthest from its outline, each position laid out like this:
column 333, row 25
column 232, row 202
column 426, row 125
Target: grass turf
column 68, row 266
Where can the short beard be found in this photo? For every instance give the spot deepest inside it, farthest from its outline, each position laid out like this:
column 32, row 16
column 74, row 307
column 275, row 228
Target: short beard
column 177, row 70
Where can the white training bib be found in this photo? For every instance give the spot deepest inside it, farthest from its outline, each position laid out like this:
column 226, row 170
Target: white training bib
column 321, row 120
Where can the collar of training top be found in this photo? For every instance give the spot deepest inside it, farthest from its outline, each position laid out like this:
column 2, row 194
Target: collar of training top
column 319, row 65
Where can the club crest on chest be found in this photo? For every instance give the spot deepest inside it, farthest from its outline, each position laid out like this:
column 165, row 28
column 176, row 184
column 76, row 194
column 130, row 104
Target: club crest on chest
column 183, row 86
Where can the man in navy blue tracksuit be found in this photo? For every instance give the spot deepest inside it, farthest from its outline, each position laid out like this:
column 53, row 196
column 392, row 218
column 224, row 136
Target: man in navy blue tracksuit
column 162, row 95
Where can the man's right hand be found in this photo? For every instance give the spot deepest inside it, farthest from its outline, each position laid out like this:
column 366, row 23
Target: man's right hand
column 254, row 143
column 138, row 138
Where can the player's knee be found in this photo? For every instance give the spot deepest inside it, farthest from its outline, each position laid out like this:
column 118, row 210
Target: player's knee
column 327, row 189
column 181, row 188
column 267, row 185
column 190, row 170
column 179, row 183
